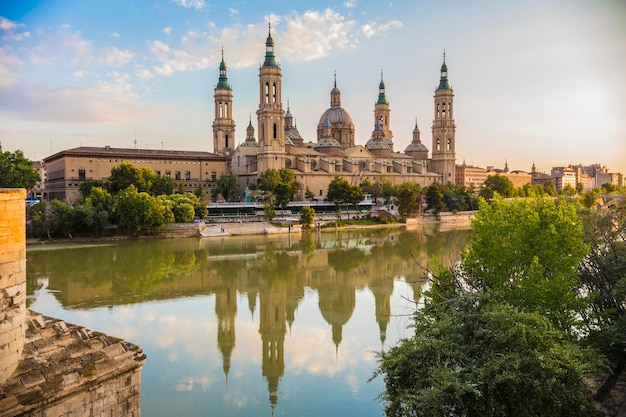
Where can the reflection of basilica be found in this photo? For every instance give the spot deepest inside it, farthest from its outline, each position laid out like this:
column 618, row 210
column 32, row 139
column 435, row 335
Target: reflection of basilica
column 270, row 276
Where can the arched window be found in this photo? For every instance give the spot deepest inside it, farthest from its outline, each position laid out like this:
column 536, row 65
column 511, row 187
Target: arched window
column 274, row 93
column 449, row 144
column 438, row 144
column 226, row 141
column 267, row 92
column 275, row 131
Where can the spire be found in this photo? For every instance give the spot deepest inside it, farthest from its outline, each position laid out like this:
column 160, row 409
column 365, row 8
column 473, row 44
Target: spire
column 443, row 81
column 270, row 59
column 335, row 95
column 223, row 80
column 382, row 98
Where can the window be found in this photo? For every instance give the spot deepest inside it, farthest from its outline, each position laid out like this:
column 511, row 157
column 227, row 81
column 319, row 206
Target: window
column 168, row 174
column 187, row 175
column 81, row 174
column 227, row 140
column 275, row 131
column 213, row 176
column 177, row 175
column 158, row 173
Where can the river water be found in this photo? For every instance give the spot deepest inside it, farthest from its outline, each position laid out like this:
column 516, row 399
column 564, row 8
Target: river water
column 248, row 325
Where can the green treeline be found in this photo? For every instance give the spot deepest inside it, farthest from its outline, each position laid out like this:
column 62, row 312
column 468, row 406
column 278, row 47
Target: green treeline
column 532, row 314
column 132, row 200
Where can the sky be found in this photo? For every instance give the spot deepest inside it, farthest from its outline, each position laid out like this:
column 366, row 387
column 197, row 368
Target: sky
column 535, row 81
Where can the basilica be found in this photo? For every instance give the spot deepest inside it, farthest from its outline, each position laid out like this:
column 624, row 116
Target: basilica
column 315, row 164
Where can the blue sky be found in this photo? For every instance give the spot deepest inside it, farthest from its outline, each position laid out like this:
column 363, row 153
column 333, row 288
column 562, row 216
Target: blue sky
column 535, row 81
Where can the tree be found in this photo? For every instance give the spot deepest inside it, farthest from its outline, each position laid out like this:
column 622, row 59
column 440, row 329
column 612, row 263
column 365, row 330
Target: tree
column 528, row 250
column 498, row 184
column 163, row 185
column 477, row 356
column 86, row 187
column 125, row 175
column 341, row 192
column 269, row 205
column 307, row 217
column 308, row 194
column 16, row 171
column 409, row 198
column 603, row 274
column 140, row 212
column 281, row 182
column 434, row 198
column 227, row 185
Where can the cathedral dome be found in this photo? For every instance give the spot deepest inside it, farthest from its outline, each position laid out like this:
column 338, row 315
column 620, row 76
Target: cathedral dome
column 335, row 115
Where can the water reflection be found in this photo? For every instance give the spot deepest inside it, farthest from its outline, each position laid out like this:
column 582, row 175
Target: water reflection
column 270, row 276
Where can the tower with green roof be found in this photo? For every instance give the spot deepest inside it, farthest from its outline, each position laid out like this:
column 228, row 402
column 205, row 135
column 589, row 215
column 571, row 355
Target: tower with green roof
column 223, row 123
column 443, row 150
column 270, row 115
column 382, row 110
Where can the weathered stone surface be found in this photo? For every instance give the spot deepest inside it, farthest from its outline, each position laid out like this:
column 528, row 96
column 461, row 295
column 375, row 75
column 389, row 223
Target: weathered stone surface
column 48, row 367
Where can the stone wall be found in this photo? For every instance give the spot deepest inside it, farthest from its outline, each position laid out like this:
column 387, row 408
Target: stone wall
column 49, row 367
column 12, row 278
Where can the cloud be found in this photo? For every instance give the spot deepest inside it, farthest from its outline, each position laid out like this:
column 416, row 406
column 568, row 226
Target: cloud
column 104, row 102
column 167, row 30
column 79, row 74
column 233, row 12
column 115, row 35
column 144, row 74
column 192, row 4
column 113, row 57
column 350, row 4
column 7, row 25
column 372, row 29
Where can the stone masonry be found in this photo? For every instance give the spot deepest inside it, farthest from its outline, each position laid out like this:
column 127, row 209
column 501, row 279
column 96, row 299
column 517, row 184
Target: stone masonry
column 12, row 278
column 49, row 367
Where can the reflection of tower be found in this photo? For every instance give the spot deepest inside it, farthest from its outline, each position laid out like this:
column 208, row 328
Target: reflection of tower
column 226, row 310
column 337, row 298
column 382, row 288
column 273, row 328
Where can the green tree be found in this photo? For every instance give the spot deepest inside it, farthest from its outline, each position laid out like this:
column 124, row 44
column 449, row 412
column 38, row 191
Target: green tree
column 163, row 185
column 16, row 171
column 308, row 194
column 140, row 212
column 269, row 205
column 590, row 197
column 603, row 274
column 126, row 174
column 549, row 188
column 341, row 192
column 307, row 217
column 498, row 184
column 409, row 198
column 476, row 356
column 281, row 182
column 182, row 207
column 528, row 250
column 39, row 219
column 227, row 185
column 61, row 219
column 434, row 198
column 86, row 186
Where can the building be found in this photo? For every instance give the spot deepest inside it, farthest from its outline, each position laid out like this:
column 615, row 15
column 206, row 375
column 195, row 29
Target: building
column 470, row 176
column 67, row 170
column 334, row 152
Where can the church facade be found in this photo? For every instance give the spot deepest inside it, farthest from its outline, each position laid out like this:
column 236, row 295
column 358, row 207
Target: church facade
column 315, row 164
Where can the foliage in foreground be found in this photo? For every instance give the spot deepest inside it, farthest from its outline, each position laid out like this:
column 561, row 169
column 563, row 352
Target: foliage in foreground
column 477, row 356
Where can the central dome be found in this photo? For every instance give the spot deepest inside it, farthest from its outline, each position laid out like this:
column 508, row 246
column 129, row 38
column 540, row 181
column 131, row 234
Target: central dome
column 335, row 115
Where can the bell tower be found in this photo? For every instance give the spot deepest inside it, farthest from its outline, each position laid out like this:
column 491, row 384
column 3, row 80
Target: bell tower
column 382, row 110
column 443, row 150
column 270, row 115
column 223, row 124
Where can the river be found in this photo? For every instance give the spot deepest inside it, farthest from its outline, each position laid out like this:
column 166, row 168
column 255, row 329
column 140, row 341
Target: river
column 248, row 325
